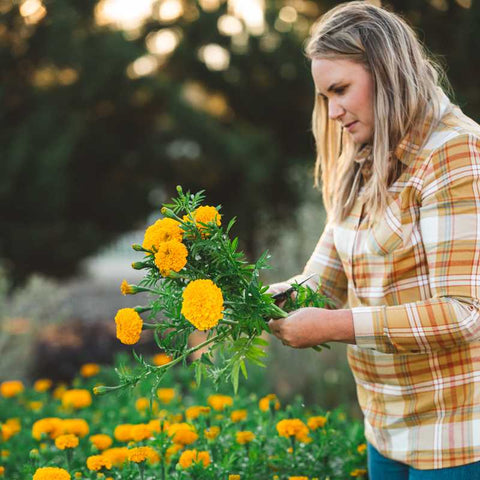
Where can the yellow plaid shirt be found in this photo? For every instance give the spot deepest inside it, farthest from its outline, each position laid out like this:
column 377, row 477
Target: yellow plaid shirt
column 412, row 281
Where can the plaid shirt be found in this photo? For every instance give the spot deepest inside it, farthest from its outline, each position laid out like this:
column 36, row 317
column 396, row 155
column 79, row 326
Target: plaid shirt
column 412, row 282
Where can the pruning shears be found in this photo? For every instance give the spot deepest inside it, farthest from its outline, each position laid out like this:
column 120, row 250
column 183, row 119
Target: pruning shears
column 283, row 295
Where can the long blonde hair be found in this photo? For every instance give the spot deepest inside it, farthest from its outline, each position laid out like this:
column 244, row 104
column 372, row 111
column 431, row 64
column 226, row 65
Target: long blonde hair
column 407, row 94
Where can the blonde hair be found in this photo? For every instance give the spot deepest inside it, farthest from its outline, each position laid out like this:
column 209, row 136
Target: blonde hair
column 407, row 95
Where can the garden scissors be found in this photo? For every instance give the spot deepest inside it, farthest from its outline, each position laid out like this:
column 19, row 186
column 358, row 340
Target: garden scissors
column 283, row 295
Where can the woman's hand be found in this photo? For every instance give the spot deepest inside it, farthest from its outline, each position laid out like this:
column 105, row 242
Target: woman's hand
column 307, row 327
column 280, row 287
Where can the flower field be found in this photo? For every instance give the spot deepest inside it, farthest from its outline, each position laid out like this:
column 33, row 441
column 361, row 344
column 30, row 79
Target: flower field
column 182, row 431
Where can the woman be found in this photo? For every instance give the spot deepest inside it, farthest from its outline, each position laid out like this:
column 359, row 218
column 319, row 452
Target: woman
column 400, row 255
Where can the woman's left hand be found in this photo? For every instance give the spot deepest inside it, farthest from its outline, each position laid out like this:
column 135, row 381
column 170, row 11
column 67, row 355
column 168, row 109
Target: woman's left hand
column 310, row 326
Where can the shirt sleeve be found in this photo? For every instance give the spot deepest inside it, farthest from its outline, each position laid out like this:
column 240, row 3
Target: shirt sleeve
column 329, row 278
column 450, row 228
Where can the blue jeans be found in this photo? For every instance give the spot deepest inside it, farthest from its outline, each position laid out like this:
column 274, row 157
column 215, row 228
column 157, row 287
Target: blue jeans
column 383, row 468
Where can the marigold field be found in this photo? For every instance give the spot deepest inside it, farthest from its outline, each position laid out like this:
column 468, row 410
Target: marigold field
column 57, row 432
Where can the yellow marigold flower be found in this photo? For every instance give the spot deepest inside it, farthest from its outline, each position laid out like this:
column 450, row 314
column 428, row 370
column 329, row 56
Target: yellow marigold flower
column 238, row 415
column 316, row 422
column 59, row 391
column 142, row 404
column 202, row 304
column 140, row 431
column 244, row 437
column 233, row 477
column 129, row 326
column 358, row 472
column 142, row 454
column 265, row 402
column 51, row 473
column 297, row 478
column 170, row 256
column 89, row 370
column 2, row 471
column 6, row 432
column 219, row 402
column 166, row 395
column 95, row 463
column 188, row 457
column 182, row 433
column 362, row 448
column 10, row 428
column 76, row 398
column 35, row 405
column 205, row 215
column 101, row 441
column 11, row 388
column 42, row 385
column 292, row 427
column 211, row 433
column 161, row 231
column 78, row 475
column 76, row 426
column 117, row 456
column 126, row 288
column 63, row 442
column 50, row 426
column 193, row 412
column 161, row 359
column 123, row 432
column 175, row 417
column 172, row 450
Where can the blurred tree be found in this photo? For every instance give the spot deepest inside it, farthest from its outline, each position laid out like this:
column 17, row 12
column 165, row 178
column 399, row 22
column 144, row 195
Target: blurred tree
column 99, row 124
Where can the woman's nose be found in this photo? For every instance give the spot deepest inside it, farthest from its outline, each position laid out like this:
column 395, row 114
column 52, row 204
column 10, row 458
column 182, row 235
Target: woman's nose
column 335, row 111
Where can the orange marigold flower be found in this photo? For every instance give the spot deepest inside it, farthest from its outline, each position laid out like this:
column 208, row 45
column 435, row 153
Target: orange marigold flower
column 238, row 415
column 193, row 412
column 142, row 454
column 59, row 391
column 202, row 304
column 6, row 432
column 161, row 359
column 219, row 402
column 63, row 442
column 95, row 463
column 244, row 437
column 117, row 456
column 166, row 395
column 51, row 426
column 76, row 426
column 142, row 404
column 162, row 231
column 205, row 215
column 297, row 478
column 211, row 433
column 89, row 370
column 101, row 441
column 292, row 427
column 123, row 432
column 13, row 425
column 362, row 448
column 77, row 398
column 51, row 473
column 316, row 422
column 129, row 326
column 171, row 255
column 42, row 385
column 11, row 388
column 172, row 450
column 188, row 457
column 35, row 405
column 182, row 433
column 2, row 470
column 126, row 288
column 267, row 401
column 140, row 431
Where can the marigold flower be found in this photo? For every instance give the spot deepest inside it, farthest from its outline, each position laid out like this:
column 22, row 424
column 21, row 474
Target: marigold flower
column 42, row 385
column 205, row 215
column 6, row 432
column 10, row 428
column 77, row 398
column 170, row 256
column 142, row 404
column 265, row 402
column 95, row 463
column 101, row 441
column 244, row 437
column 202, row 304
column 172, row 450
column 233, row 477
column 126, row 288
column 11, row 388
column 2, row 470
column 316, row 422
column 123, row 432
column 163, row 230
column 117, row 456
column 362, row 448
column 140, row 431
column 238, row 415
column 129, row 326
column 188, row 457
column 193, row 412
column 166, row 395
column 219, row 402
column 161, row 359
column 51, row 473
column 63, row 442
column 51, row 426
column 211, row 433
column 292, row 427
column 182, row 433
column 142, row 454
column 35, row 405
column 76, row 426
column 59, row 391
column 358, row 472
column 297, row 478
column 89, row 370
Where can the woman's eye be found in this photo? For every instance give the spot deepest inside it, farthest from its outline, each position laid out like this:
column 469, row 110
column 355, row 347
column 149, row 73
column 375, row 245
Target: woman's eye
column 339, row 90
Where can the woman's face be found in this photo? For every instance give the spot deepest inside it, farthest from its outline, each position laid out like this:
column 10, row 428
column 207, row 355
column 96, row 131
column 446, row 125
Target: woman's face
column 348, row 88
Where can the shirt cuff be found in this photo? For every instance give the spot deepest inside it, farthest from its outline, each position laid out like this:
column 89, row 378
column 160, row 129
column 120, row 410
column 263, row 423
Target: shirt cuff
column 370, row 329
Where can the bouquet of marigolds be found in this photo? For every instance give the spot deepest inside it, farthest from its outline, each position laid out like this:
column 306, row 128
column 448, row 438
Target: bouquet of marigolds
column 198, row 280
